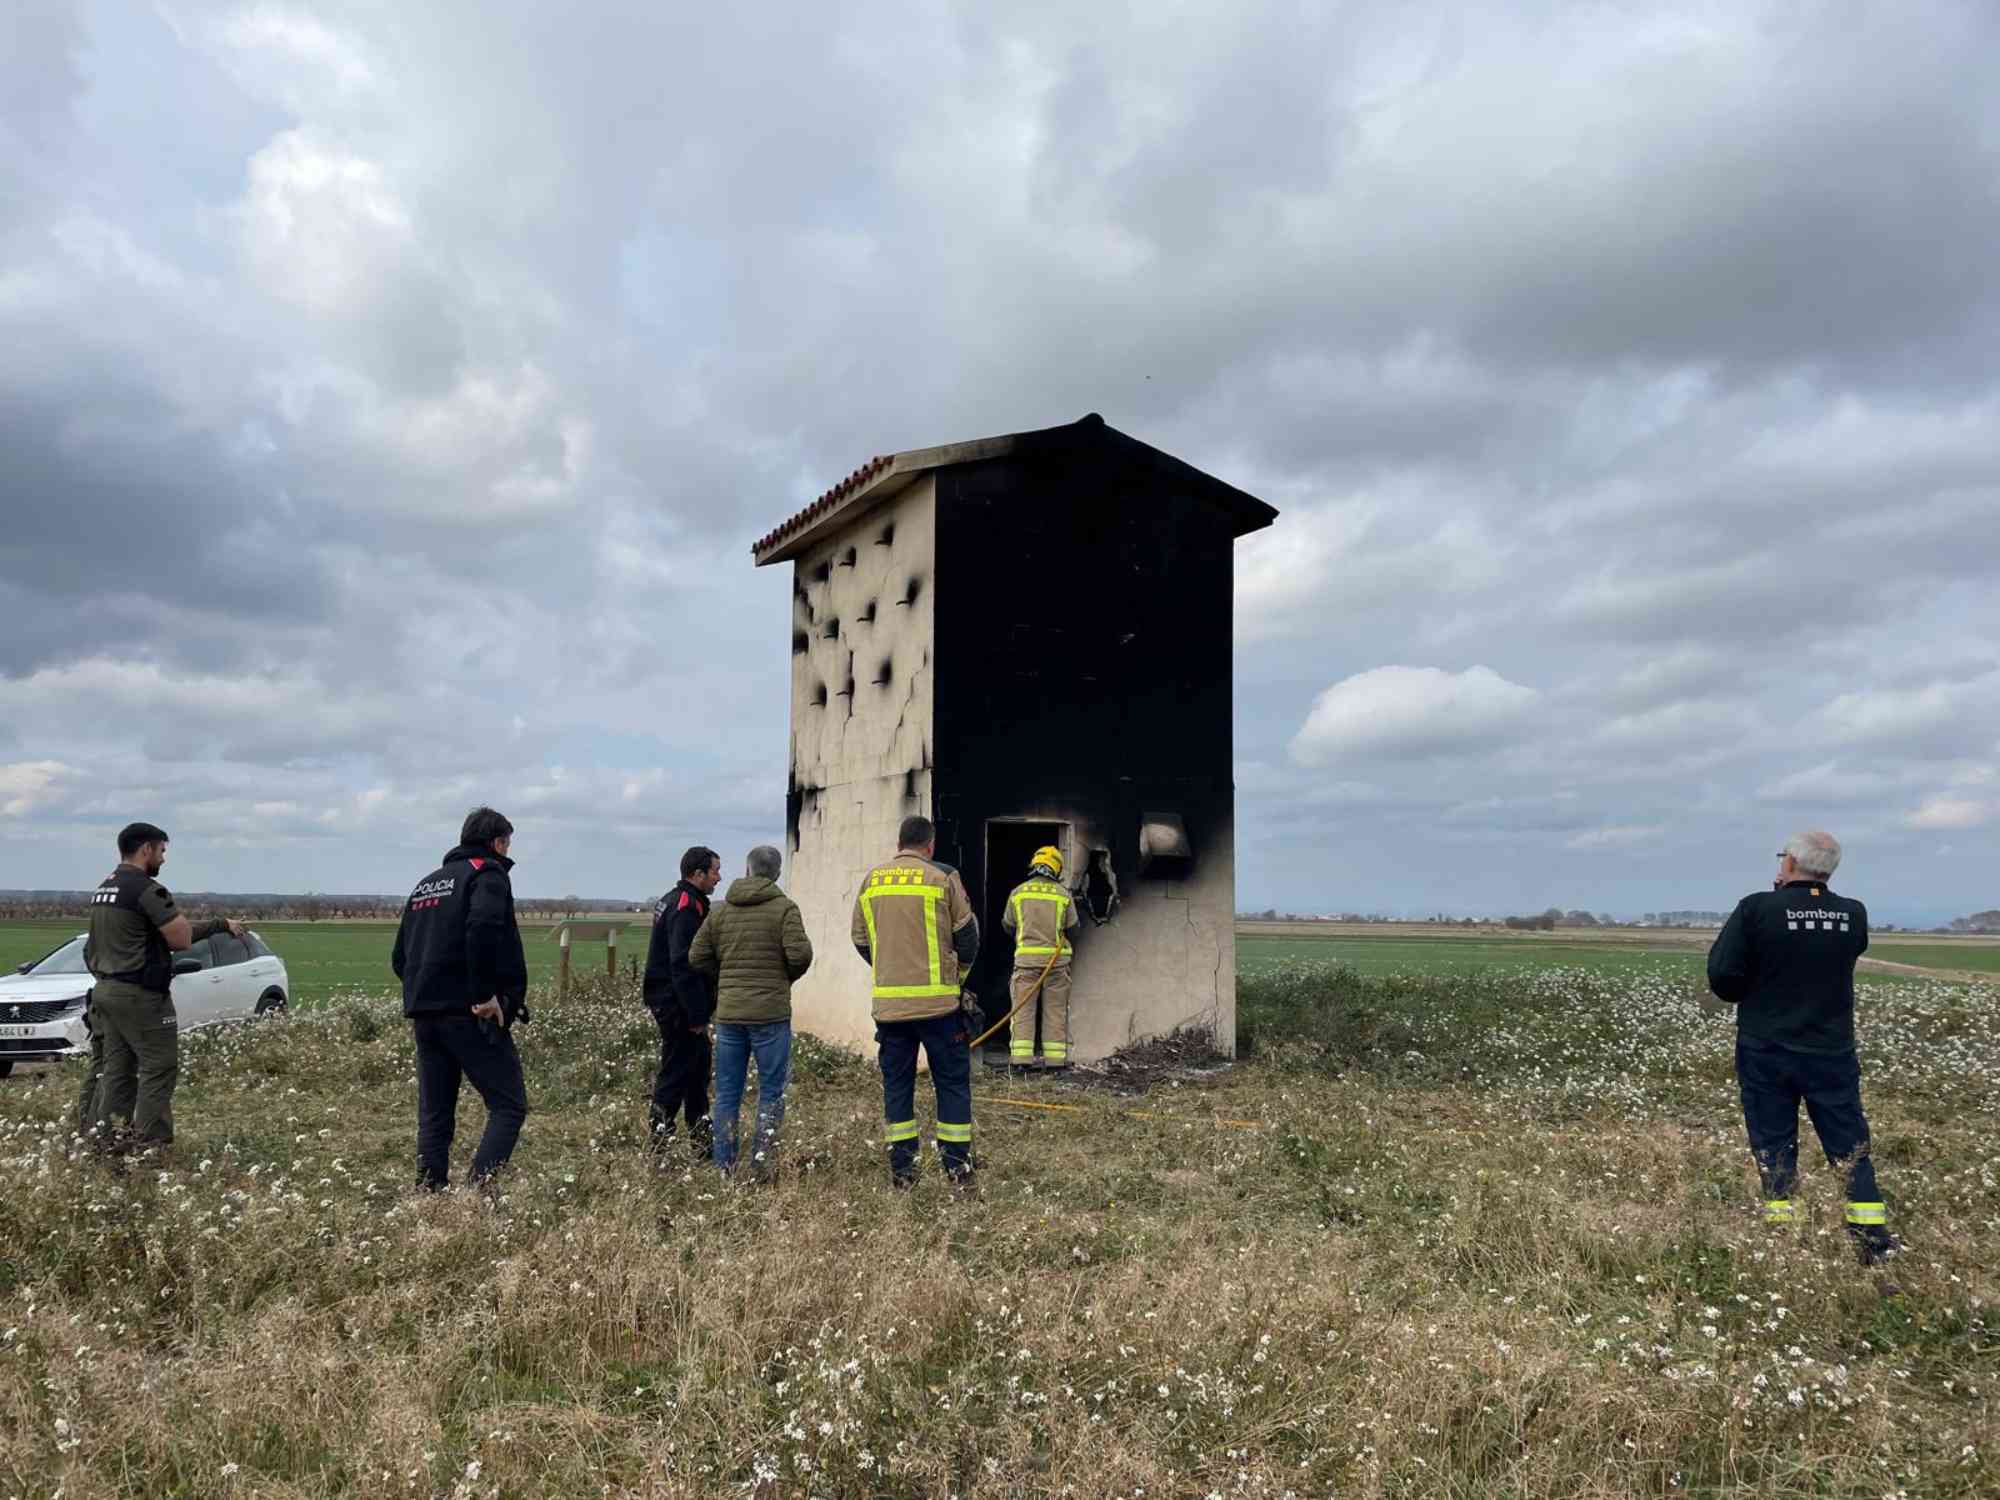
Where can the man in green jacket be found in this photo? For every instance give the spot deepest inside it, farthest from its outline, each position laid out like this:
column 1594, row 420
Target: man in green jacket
column 753, row 947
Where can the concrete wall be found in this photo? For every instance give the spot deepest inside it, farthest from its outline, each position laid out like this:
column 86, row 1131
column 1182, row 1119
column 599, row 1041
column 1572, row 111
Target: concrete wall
column 861, row 757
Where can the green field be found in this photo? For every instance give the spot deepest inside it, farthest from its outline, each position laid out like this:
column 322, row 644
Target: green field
column 330, row 958
column 1973, row 957
column 1377, row 956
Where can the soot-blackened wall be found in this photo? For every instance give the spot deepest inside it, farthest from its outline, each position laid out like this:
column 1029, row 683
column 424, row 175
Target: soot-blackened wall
column 1084, row 678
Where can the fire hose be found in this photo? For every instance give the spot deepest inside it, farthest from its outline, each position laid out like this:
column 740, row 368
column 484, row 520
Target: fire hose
column 1033, row 990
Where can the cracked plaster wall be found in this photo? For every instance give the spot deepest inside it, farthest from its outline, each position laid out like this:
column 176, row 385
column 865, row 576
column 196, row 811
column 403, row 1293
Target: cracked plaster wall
column 863, row 639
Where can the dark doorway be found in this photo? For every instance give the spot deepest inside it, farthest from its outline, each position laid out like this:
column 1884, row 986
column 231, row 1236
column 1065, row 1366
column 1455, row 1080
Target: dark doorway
column 1009, row 847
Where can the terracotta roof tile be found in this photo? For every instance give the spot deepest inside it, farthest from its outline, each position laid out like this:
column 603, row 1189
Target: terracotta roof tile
column 825, row 502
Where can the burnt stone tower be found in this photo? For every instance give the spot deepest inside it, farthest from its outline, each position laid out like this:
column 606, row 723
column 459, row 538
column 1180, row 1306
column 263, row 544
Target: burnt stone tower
column 1026, row 638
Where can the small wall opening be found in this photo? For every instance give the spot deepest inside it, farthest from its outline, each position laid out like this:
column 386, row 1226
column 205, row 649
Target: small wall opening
column 910, row 591
column 819, row 696
column 1097, row 890
column 799, row 642
column 888, row 536
column 1164, row 850
column 847, row 558
column 823, row 572
column 867, row 615
column 832, row 630
column 882, row 673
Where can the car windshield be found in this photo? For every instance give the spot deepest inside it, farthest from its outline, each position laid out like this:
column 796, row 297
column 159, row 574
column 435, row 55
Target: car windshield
column 68, row 959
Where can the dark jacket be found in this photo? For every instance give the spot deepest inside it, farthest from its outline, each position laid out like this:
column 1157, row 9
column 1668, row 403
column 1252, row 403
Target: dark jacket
column 671, row 982
column 458, row 945
column 127, row 912
column 1785, row 959
column 753, row 946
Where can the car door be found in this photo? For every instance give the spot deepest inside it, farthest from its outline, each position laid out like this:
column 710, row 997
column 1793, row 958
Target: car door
column 265, row 968
column 236, row 985
column 198, row 995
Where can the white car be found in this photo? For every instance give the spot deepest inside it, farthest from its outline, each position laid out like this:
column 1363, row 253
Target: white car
column 220, row 978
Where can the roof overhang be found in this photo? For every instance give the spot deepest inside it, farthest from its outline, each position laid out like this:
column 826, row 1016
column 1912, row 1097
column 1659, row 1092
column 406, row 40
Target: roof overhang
column 883, row 477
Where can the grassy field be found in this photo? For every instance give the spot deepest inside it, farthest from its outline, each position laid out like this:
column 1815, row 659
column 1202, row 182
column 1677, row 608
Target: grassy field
column 1479, row 1235
column 1421, row 949
column 325, row 958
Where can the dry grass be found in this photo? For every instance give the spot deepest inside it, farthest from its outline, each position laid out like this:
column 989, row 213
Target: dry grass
column 1497, row 1246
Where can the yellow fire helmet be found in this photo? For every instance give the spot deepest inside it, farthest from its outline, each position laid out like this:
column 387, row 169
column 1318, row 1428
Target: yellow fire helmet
column 1048, row 858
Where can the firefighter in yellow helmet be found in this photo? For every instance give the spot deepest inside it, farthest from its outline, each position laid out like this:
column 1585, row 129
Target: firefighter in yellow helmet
column 914, row 925
column 1041, row 915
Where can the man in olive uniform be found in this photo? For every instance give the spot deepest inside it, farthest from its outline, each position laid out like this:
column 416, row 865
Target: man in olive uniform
column 1041, row 916
column 135, row 929
column 914, row 925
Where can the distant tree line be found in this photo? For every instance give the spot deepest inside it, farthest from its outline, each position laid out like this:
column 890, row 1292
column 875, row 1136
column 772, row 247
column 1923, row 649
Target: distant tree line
column 312, row 906
column 1979, row 921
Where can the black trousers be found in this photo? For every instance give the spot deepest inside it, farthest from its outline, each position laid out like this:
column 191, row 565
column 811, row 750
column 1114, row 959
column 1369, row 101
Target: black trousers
column 944, row 1040
column 1774, row 1081
column 454, row 1049
column 681, row 1086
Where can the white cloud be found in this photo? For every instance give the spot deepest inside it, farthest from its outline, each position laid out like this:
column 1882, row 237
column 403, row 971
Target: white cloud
column 322, row 226
column 1411, row 711
column 1828, row 782
column 31, row 785
column 1283, row 570
column 1617, row 836
column 1895, row 714
column 1953, row 813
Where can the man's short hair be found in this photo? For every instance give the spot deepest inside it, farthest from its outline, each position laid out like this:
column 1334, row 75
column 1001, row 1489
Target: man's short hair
column 483, row 825
column 697, row 861
column 764, row 862
column 916, row 832
column 135, row 836
column 1814, row 853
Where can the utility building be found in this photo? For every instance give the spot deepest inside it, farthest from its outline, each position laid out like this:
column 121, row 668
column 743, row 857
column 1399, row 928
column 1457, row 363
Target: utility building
column 1027, row 639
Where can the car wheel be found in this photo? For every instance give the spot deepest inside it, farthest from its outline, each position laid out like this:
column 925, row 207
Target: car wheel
column 6, row 1066
column 271, row 1002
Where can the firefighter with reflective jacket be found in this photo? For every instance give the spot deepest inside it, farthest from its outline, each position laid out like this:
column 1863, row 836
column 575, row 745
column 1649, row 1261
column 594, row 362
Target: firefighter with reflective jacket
column 1041, row 916
column 914, row 925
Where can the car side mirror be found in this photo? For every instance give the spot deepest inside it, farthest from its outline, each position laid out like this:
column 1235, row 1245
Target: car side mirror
column 186, row 966
column 23, row 968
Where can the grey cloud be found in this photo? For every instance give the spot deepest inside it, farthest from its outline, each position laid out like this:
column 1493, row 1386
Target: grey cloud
column 1641, row 357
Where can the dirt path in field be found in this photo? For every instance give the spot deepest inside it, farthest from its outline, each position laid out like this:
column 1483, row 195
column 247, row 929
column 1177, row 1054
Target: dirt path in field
column 1962, row 976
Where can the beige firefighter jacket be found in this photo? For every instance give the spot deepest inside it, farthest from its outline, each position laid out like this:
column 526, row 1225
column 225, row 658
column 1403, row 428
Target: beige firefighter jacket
column 1041, row 915
column 915, row 921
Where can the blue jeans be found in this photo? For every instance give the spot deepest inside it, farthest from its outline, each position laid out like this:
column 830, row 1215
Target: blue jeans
column 735, row 1044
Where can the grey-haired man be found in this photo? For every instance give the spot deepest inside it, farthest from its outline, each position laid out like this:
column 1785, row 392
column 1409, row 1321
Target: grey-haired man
column 1785, row 959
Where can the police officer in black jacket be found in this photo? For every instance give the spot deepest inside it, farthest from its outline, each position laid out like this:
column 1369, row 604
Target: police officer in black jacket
column 465, row 984
column 1785, row 960
column 682, row 999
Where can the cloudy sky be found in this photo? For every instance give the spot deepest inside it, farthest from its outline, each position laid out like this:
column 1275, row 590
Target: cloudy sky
column 389, row 394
